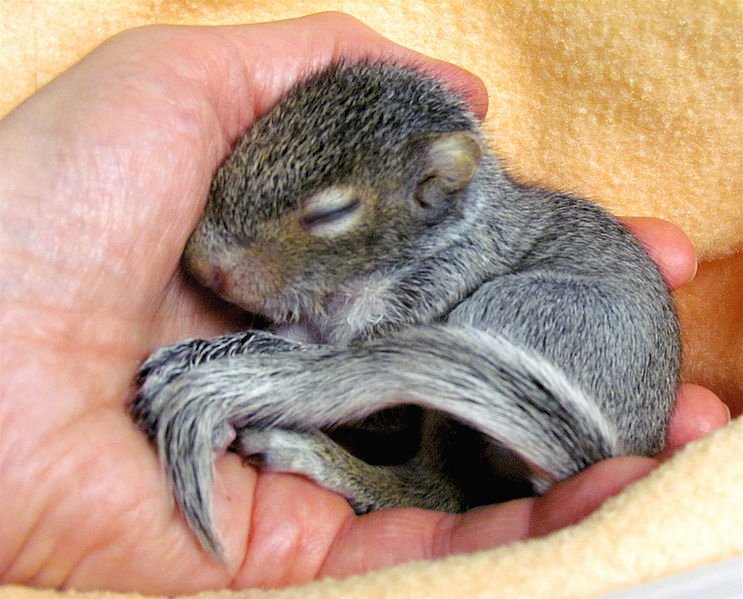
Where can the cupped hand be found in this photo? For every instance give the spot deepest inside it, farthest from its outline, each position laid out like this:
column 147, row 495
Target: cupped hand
column 103, row 174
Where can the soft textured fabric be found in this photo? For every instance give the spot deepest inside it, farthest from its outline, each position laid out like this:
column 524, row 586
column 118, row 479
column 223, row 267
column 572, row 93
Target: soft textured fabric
column 636, row 105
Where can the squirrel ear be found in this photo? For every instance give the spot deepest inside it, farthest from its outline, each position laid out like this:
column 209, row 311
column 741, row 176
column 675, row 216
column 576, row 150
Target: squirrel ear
column 453, row 159
column 450, row 162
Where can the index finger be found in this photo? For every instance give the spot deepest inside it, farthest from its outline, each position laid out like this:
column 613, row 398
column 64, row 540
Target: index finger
column 327, row 37
column 668, row 245
column 260, row 63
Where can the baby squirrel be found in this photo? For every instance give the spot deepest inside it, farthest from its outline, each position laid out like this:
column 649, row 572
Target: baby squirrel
column 365, row 217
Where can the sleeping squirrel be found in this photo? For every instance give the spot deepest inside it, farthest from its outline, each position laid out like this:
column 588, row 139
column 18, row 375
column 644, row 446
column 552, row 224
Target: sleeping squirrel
column 400, row 266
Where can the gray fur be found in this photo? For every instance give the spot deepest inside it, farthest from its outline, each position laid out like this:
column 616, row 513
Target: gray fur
column 532, row 317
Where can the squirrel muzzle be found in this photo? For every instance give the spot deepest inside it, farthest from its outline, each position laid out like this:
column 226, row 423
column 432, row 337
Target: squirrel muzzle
column 245, row 277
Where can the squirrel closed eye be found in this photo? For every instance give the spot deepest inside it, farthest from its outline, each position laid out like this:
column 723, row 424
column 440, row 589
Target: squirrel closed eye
column 331, row 212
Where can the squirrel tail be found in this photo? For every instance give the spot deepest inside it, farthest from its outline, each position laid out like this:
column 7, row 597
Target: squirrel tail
column 507, row 392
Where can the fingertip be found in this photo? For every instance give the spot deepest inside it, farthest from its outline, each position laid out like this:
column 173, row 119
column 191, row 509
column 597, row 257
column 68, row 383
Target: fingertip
column 469, row 85
column 669, row 246
column 698, row 411
column 571, row 500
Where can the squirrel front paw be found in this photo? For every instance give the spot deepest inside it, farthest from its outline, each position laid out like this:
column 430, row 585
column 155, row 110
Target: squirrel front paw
column 308, row 453
column 284, row 450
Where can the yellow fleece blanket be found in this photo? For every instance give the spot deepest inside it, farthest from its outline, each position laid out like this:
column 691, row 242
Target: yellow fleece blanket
column 636, row 105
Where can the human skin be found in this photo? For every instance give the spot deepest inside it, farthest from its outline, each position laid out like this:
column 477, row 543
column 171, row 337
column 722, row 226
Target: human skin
column 103, row 175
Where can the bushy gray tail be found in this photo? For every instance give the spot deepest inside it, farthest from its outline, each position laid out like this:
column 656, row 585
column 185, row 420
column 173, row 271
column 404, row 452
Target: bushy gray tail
column 506, row 392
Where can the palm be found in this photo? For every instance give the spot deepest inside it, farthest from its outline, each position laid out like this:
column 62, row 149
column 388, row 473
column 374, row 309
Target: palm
column 90, row 256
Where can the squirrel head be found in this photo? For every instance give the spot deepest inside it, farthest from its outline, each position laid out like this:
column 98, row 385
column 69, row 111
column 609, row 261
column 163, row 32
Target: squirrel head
column 350, row 171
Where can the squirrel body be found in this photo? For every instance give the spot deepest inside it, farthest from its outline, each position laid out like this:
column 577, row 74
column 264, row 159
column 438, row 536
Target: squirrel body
column 400, row 265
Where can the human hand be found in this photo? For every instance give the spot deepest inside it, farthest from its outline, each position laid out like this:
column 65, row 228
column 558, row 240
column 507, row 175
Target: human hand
column 105, row 172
